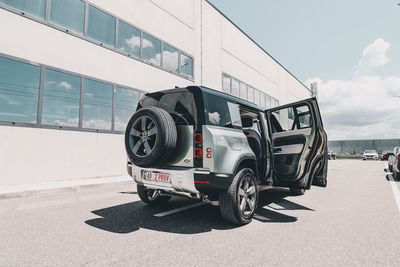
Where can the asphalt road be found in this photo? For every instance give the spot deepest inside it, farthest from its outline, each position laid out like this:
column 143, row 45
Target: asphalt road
column 354, row 221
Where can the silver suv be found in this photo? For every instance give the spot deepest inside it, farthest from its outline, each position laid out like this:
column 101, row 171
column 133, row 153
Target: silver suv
column 203, row 144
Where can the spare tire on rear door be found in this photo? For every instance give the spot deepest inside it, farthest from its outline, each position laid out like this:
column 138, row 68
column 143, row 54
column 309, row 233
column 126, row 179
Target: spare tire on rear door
column 150, row 137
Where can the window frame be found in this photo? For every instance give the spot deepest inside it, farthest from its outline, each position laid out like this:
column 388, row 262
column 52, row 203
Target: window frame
column 46, row 21
column 39, row 124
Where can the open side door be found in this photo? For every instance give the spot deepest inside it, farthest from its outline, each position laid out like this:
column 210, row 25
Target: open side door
column 299, row 143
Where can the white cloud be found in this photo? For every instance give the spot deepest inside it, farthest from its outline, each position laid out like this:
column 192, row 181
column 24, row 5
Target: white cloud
column 134, row 42
column 373, row 56
column 361, row 108
column 365, row 106
column 97, row 124
column 170, row 60
column 65, row 85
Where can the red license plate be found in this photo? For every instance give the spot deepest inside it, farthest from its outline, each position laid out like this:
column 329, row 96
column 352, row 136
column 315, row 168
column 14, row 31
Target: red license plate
column 157, row 177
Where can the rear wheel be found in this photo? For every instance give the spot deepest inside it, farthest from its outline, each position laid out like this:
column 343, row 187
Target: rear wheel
column 151, row 197
column 239, row 203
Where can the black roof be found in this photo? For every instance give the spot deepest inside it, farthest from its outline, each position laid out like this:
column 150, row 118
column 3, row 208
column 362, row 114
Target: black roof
column 212, row 92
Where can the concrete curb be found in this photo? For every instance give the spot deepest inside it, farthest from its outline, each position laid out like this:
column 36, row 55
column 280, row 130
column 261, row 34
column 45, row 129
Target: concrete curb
column 14, row 191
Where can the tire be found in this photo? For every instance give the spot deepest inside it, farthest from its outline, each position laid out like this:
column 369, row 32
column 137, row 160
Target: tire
column 150, row 137
column 297, row 191
column 239, row 194
column 151, row 197
column 396, row 175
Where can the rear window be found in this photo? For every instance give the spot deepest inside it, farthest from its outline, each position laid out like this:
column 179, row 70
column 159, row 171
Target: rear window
column 180, row 105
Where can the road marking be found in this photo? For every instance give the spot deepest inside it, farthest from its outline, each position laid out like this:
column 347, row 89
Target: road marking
column 165, row 213
column 395, row 190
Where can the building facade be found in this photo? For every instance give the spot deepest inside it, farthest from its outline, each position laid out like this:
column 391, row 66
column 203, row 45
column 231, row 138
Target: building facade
column 71, row 74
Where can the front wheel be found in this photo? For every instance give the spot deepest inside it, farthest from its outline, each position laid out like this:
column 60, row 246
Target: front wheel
column 297, row 191
column 151, row 197
column 239, row 203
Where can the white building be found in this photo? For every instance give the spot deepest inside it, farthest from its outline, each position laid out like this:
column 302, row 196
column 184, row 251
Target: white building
column 71, row 73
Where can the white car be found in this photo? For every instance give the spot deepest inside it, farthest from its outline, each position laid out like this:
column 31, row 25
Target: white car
column 370, row 154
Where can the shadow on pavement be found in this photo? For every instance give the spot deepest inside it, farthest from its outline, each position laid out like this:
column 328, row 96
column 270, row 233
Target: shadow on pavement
column 130, row 217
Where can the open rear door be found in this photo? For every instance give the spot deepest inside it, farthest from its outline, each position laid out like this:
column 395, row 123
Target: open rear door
column 299, row 145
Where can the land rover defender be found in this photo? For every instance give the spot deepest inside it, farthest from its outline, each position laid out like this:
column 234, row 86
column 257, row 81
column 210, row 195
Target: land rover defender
column 208, row 145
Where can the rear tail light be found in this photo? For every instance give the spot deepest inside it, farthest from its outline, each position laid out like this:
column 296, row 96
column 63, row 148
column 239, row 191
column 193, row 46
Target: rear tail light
column 198, row 149
column 198, row 153
column 398, row 159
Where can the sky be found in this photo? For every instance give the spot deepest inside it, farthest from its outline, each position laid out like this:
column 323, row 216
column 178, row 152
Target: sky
column 351, row 48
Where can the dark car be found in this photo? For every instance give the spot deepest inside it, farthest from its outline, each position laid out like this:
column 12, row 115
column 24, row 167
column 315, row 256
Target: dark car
column 386, row 154
column 394, row 163
column 331, row 155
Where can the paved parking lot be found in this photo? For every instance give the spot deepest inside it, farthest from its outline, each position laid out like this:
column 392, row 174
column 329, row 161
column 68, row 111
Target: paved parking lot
column 354, row 221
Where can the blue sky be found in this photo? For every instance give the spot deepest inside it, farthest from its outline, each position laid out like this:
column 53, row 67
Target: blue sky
column 351, row 48
column 318, row 37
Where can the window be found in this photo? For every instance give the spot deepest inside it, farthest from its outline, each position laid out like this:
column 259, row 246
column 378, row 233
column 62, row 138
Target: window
column 226, row 84
column 101, row 26
column 243, row 90
column 126, row 101
column 250, row 94
column 262, row 99
column 70, row 15
column 218, row 112
column 61, row 99
column 256, row 97
column 19, row 90
column 33, row 7
column 151, row 49
column 235, row 87
column 97, row 106
column 186, row 65
column 180, row 105
column 128, row 39
column 170, row 59
column 234, row 113
column 292, row 118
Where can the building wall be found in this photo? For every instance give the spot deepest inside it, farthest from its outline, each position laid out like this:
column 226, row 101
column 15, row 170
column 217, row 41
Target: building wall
column 37, row 154
column 359, row 146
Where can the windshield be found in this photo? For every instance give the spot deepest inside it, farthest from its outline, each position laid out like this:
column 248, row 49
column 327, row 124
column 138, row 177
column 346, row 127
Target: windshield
column 370, row 151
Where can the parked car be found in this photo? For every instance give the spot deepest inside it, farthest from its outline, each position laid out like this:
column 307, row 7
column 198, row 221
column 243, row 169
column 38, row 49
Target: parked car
column 331, row 155
column 394, row 163
column 386, row 154
column 203, row 144
column 370, row 154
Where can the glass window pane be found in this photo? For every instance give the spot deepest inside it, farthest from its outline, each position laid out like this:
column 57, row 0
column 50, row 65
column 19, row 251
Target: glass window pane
column 126, row 101
column 243, row 90
column 151, row 49
column 218, row 111
column 19, row 90
column 33, row 7
column 97, row 106
column 256, row 97
column 170, row 58
column 262, row 99
column 61, row 97
column 226, row 84
column 101, row 26
column 250, row 94
column 235, row 87
column 128, row 39
column 186, row 65
column 70, row 15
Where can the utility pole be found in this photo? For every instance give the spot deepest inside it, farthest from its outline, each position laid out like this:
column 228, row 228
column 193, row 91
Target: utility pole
column 314, row 89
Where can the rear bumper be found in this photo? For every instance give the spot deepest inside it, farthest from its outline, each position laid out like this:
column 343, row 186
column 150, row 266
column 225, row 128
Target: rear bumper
column 186, row 180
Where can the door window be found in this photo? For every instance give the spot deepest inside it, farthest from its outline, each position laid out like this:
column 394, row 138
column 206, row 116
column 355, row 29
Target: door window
column 291, row 118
